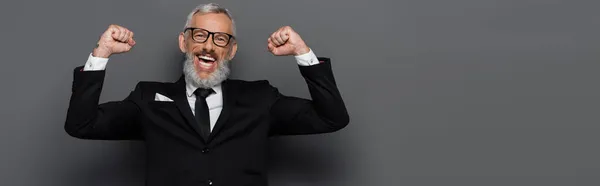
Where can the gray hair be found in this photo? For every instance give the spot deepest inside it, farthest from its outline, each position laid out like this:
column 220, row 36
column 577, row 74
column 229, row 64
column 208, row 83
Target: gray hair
column 210, row 8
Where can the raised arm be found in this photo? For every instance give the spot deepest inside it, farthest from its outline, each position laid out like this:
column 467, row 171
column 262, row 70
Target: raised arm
column 326, row 111
column 86, row 118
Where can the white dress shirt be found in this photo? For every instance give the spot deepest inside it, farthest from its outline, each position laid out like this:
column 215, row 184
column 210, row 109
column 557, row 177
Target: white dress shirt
column 215, row 100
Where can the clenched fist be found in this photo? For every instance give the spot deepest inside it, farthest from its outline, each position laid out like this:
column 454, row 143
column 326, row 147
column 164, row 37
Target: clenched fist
column 285, row 41
column 114, row 40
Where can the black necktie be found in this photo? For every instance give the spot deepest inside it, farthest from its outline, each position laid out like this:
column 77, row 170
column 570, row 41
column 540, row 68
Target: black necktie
column 202, row 116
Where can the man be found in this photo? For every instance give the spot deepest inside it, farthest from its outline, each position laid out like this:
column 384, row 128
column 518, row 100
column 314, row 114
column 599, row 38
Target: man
column 205, row 129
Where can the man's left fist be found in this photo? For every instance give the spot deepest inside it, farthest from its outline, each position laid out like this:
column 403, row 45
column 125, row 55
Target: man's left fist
column 285, row 41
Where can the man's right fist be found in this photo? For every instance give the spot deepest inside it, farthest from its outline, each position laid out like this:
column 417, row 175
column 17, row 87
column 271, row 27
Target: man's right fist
column 116, row 39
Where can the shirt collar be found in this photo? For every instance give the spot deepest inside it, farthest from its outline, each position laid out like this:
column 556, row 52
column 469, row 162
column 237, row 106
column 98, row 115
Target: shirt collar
column 189, row 89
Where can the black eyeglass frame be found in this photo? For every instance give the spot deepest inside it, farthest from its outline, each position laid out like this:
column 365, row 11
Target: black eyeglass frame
column 229, row 39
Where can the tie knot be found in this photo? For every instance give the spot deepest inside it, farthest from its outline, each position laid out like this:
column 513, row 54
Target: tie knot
column 203, row 92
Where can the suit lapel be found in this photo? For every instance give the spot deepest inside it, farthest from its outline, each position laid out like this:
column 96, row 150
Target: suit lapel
column 180, row 98
column 229, row 99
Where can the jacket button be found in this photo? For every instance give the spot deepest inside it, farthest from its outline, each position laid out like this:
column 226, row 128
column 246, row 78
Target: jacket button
column 206, row 150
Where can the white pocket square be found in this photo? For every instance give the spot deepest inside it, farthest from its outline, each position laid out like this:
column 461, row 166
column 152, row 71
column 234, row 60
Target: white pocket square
column 160, row 97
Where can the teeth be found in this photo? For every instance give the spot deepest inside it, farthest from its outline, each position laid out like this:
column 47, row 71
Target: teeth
column 207, row 65
column 206, row 58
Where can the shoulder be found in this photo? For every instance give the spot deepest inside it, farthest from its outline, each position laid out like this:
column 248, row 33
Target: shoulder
column 252, row 89
column 152, row 85
column 244, row 84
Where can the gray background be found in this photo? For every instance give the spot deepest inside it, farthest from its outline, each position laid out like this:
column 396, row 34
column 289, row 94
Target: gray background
column 462, row 92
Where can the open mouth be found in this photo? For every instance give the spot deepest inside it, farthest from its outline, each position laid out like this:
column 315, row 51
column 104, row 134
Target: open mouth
column 206, row 62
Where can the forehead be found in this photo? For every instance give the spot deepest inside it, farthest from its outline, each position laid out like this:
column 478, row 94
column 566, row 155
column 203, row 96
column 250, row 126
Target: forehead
column 214, row 22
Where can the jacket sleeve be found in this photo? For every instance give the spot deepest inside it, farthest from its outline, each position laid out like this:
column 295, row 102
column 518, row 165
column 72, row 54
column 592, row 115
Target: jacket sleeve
column 325, row 113
column 114, row 120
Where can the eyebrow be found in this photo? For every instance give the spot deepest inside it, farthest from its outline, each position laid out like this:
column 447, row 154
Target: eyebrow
column 209, row 30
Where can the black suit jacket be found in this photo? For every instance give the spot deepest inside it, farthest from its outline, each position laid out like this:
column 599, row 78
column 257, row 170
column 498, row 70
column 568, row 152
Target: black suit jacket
column 235, row 152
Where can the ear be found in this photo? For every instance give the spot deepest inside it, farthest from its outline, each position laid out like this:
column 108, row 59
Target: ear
column 182, row 46
column 233, row 50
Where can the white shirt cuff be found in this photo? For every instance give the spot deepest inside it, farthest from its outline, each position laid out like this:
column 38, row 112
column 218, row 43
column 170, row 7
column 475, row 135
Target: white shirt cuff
column 307, row 59
column 95, row 63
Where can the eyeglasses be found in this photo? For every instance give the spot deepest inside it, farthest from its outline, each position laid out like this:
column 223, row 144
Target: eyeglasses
column 201, row 35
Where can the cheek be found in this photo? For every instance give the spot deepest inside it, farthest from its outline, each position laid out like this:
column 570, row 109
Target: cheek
column 192, row 47
column 222, row 53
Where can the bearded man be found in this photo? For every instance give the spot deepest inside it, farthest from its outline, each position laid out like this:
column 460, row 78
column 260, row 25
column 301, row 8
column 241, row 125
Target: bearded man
column 205, row 129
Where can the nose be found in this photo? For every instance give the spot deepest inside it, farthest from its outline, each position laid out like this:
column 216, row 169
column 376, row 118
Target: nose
column 209, row 45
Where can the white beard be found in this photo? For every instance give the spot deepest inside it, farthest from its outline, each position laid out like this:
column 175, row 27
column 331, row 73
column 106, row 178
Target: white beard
column 219, row 75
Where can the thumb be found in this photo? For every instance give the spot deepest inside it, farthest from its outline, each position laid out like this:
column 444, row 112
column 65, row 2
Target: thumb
column 271, row 47
column 131, row 42
column 113, row 33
